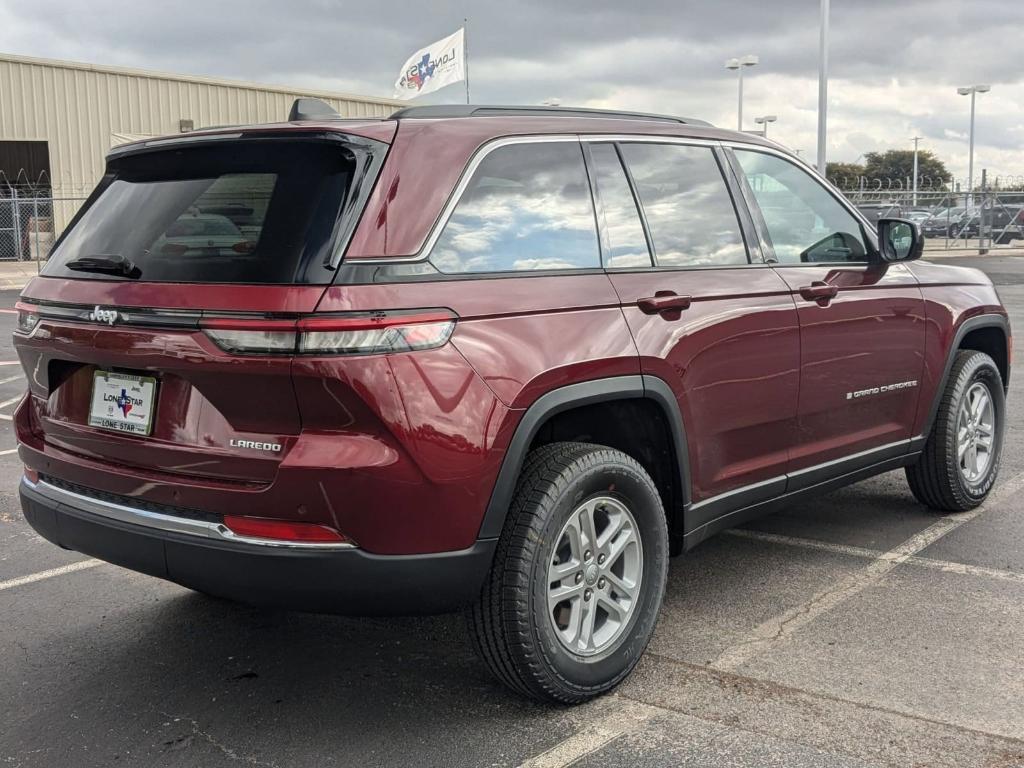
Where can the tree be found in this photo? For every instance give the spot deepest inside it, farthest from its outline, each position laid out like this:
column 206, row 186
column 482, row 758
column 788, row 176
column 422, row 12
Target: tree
column 897, row 165
column 844, row 175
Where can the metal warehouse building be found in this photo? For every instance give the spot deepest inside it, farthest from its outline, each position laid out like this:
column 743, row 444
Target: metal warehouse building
column 58, row 119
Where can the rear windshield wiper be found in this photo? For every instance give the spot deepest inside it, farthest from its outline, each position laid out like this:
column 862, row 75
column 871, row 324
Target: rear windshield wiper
column 114, row 264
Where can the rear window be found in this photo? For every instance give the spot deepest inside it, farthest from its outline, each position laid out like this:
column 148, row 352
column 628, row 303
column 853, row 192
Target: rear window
column 247, row 212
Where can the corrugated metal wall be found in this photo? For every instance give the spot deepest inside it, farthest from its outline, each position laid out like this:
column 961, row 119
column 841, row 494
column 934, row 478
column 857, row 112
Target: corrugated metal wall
column 79, row 109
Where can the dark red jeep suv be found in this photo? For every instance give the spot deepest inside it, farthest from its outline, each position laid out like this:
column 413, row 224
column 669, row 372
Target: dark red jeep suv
column 501, row 359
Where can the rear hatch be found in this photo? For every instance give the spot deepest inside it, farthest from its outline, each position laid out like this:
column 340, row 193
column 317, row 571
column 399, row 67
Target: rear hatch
column 157, row 336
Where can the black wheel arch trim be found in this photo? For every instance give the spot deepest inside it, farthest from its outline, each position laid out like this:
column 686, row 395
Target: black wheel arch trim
column 968, row 325
column 556, row 401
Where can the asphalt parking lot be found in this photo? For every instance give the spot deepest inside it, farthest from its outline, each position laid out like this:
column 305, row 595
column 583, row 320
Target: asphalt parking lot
column 856, row 630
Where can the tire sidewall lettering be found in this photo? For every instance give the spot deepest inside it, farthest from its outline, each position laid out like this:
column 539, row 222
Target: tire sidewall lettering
column 983, row 371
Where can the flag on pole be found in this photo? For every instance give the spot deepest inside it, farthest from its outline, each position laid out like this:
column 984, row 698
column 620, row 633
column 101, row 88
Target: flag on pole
column 433, row 67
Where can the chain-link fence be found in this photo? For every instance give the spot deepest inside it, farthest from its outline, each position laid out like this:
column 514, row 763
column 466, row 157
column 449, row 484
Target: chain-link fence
column 987, row 218
column 31, row 220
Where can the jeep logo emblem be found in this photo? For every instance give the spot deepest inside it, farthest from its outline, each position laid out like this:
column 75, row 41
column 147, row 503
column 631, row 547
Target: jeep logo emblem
column 101, row 315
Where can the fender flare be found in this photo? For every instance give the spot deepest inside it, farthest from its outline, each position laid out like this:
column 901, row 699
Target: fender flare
column 573, row 396
column 968, row 325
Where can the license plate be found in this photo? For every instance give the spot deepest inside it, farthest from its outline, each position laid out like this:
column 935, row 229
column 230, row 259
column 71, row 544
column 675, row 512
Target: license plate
column 122, row 402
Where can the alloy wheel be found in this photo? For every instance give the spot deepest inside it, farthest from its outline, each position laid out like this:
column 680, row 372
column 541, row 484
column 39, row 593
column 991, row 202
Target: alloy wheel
column 975, row 432
column 594, row 576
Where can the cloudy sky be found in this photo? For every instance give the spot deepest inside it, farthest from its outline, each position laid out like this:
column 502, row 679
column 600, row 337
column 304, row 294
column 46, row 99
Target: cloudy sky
column 895, row 65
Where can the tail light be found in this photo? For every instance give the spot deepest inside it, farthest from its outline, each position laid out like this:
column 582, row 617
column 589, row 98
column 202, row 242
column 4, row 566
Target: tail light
column 355, row 333
column 28, row 317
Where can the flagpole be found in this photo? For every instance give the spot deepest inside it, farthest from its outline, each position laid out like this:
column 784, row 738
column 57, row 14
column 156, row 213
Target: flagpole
column 465, row 52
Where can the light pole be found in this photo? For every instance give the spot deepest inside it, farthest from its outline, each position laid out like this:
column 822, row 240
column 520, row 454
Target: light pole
column 822, row 85
column 765, row 120
column 738, row 64
column 915, row 139
column 972, row 91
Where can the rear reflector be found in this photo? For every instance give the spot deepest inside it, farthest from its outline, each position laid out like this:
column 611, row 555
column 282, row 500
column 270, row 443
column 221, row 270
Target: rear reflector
column 31, row 475
column 354, row 333
column 282, row 530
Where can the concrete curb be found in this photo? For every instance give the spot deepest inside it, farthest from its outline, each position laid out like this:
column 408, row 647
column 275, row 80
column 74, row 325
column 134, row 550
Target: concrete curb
column 15, row 275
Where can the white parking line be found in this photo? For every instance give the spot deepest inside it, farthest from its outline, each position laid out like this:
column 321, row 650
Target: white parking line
column 775, row 631
column 10, row 362
column 627, row 717
column 21, row 581
column 8, row 452
column 9, row 379
column 875, row 554
column 12, row 400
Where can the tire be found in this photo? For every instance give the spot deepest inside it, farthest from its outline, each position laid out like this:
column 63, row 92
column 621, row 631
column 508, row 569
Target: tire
column 539, row 652
column 939, row 479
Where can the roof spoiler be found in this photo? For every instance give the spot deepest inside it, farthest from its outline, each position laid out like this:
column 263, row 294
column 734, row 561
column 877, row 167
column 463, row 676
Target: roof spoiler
column 311, row 109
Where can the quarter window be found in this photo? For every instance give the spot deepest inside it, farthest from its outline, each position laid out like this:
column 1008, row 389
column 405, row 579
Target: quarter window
column 527, row 207
column 804, row 222
column 627, row 245
column 688, row 208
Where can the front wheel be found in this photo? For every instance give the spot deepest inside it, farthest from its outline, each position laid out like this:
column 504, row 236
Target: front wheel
column 578, row 577
column 960, row 461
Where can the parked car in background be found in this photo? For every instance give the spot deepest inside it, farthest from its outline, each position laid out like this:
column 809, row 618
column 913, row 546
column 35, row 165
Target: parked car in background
column 506, row 360
column 1003, row 222
column 917, row 215
column 194, row 234
column 875, row 211
column 942, row 222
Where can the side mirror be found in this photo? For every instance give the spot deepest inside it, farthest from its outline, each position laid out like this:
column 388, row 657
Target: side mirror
column 900, row 240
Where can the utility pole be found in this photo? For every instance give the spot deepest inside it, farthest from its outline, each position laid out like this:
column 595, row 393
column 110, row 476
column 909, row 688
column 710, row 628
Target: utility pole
column 984, row 228
column 822, row 85
column 738, row 64
column 972, row 91
column 915, row 139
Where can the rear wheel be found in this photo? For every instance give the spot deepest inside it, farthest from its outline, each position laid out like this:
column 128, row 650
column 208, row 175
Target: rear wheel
column 578, row 577
column 961, row 459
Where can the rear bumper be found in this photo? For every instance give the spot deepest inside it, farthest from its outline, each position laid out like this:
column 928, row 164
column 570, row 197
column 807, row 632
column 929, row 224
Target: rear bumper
column 324, row 579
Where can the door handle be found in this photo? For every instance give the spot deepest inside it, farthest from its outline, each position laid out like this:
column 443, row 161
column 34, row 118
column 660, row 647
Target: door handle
column 663, row 301
column 819, row 291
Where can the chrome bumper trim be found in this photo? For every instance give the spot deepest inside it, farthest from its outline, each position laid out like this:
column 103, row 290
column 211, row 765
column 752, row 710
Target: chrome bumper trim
column 161, row 522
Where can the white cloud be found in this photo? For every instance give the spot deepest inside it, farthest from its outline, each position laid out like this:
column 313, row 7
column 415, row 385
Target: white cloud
column 895, row 66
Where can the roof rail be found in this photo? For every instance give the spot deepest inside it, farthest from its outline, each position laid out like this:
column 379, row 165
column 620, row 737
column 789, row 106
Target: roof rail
column 471, row 110
column 311, row 109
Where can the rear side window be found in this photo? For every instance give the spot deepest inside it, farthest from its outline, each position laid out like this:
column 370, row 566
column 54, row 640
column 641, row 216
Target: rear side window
column 688, row 207
column 805, row 223
column 248, row 212
column 627, row 245
column 527, row 207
